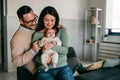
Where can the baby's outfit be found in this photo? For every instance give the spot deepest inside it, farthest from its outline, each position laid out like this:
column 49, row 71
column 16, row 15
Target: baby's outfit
column 45, row 53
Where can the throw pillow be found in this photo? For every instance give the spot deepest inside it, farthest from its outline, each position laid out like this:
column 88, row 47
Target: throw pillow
column 95, row 65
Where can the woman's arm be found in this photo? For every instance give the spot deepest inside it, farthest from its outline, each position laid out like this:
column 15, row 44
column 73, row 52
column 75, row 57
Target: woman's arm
column 62, row 34
column 36, row 36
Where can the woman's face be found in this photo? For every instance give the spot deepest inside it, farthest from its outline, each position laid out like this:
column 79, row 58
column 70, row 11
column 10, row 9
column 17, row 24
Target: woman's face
column 49, row 21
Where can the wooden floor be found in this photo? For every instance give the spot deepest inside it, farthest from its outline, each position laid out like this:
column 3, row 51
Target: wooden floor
column 8, row 76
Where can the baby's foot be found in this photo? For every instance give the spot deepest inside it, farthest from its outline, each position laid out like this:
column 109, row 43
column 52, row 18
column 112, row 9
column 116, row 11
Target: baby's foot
column 46, row 69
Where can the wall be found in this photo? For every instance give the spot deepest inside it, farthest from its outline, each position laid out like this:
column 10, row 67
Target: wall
column 71, row 14
column 90, row 51
column 73, row 9
column 0, row 49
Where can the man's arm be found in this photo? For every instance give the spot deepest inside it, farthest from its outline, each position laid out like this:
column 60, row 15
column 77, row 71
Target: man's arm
column 20, row 55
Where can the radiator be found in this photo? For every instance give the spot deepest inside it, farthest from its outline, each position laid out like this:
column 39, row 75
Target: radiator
column 109, row 50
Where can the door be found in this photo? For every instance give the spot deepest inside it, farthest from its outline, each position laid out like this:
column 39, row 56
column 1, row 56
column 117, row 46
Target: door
column 1, row 37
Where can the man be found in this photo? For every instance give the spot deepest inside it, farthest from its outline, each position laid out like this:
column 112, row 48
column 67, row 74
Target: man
column 22, row 51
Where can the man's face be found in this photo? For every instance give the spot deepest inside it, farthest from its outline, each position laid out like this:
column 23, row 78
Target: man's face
column 29, row 20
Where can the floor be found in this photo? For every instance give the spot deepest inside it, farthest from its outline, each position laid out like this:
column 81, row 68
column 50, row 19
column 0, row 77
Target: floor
column 86, row 63
column 12, row 75
column 8, row 76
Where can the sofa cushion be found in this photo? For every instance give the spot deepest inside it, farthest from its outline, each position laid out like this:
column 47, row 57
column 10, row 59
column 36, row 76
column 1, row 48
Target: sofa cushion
column 111, row 62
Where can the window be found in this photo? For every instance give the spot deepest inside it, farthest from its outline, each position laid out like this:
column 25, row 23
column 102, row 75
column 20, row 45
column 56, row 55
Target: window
column 113, row 12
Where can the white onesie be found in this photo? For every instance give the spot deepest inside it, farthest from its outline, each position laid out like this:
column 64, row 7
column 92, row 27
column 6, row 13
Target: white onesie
column 45, row 53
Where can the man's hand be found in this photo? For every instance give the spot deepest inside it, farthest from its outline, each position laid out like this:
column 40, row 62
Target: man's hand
column 48, row 46
column 35, row 46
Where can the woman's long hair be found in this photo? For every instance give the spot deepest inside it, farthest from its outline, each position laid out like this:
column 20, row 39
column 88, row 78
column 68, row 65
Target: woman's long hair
column 48, row 10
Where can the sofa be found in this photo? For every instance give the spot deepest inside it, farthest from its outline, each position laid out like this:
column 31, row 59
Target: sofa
column 99, row 73
column 108, row 73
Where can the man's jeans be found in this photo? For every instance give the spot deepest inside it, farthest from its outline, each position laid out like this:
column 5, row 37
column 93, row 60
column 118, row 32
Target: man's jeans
column 24, row 74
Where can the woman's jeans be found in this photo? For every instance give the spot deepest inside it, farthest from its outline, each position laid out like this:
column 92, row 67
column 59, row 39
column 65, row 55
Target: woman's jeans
column 61, row 73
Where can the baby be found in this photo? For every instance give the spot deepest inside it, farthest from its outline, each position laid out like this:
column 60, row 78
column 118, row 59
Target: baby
column 49, row 36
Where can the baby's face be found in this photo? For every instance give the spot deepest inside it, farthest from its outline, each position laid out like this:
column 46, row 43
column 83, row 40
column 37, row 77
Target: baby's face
column 51, row 33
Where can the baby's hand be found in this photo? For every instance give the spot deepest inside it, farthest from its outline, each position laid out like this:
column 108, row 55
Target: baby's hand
column 54, row 42
column 45, row 41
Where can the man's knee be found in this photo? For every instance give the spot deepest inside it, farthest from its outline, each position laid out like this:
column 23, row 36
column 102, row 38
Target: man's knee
column 24, row 74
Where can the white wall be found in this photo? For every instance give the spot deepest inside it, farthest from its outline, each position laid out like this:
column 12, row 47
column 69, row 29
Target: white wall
column 68, row 9
column 71, row 11
column 12, row 25
column 96, row 3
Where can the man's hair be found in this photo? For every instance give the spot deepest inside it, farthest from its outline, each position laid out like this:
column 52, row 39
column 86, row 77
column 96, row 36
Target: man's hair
column 23, row 10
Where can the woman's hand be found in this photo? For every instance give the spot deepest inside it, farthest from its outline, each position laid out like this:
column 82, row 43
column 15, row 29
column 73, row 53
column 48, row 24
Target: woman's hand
column 48, row 46
column 60, row 26
column 35, row 46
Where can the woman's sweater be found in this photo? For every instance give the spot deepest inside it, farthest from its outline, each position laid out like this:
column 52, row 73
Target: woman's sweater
column 61, row 50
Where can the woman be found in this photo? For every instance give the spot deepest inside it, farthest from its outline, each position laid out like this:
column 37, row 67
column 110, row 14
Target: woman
column 48, row 19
